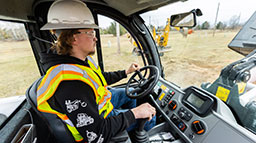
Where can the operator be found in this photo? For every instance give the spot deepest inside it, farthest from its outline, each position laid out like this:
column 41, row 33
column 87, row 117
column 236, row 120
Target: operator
column 74, row 88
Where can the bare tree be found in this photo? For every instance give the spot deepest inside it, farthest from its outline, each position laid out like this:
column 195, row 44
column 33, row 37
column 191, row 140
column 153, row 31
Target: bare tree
column 234, row 22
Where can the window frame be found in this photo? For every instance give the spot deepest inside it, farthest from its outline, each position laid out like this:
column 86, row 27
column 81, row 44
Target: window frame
column 98, row 45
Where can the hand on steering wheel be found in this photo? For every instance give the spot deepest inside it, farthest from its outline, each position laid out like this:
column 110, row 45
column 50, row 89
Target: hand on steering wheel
column 145, row 82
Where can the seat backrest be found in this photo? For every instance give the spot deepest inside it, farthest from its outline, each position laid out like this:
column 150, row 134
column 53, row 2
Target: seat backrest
column 56, row 126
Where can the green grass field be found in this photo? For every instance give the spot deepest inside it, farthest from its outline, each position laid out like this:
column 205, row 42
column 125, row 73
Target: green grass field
column 191, row 61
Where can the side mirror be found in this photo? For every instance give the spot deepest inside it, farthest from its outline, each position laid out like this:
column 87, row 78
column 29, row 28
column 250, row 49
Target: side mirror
column 187, row 19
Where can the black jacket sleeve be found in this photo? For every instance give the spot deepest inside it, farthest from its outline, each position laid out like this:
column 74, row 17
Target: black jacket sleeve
column 113, row 77
column 77, row 100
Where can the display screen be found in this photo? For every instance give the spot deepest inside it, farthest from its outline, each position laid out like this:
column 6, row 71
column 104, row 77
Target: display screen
column 195, row 100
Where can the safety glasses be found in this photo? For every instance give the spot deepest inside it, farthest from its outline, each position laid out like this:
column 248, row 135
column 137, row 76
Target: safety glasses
column 89, row 33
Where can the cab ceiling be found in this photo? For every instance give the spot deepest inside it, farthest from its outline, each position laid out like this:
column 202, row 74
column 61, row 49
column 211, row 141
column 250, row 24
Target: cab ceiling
column 20, row 10
column 129, row 7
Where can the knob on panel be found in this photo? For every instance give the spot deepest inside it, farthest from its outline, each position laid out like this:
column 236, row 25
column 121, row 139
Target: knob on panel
column 182, row 115
column 198, row 127
column 172, row 105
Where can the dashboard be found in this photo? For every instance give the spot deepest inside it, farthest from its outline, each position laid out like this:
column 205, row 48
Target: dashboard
column 197, row 116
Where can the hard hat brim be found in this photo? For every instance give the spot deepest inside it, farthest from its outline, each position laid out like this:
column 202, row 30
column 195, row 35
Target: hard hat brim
column 51, row 26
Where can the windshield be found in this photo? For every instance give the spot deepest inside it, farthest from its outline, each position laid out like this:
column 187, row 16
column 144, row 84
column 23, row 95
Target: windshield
column 196, row 56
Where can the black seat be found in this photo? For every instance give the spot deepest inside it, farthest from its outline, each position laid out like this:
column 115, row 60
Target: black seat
column 56, row 126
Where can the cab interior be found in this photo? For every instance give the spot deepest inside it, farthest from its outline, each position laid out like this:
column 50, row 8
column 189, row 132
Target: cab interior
column 189, row 115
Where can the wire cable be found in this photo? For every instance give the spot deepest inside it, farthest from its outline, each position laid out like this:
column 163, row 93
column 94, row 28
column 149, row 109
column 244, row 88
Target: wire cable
column 43, row 40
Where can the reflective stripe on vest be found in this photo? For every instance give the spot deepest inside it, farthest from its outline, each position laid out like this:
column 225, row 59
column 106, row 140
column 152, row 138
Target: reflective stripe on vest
column 96, row 68
column 104, row 96
column 62, row 72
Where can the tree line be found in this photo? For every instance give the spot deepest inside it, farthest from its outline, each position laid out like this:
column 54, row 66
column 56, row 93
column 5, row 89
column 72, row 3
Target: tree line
column 232, row 24
column 112, row 29
column 17, row 34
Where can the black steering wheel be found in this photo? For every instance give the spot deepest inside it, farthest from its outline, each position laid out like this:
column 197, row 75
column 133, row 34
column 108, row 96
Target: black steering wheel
column 146, row 82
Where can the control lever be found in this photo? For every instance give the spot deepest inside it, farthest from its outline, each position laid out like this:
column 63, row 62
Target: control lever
column 141, row 136
column 141, row 124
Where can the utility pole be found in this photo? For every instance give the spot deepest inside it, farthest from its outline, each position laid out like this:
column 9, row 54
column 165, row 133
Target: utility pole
column 118, row 37
column 150, row 22
column 239, row 18
column 216, row 19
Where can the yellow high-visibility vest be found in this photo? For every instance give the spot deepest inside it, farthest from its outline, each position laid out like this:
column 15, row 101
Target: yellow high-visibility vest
column 64, row 72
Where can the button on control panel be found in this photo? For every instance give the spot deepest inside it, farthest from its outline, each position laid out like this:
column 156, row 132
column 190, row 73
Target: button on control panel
column 164, row 94
column 165, row 97
column 184, row 114
column 165, row 100
column 179, row 123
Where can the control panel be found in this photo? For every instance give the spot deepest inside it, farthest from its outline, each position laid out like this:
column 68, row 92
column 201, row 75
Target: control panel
column 164, row 95
column 184, row 109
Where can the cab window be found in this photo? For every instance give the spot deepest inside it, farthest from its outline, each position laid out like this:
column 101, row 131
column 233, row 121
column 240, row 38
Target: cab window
column 191, row 56
column 118, row 52
column 18, row 67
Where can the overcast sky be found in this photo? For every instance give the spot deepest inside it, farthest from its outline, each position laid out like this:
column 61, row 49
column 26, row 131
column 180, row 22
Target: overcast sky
column 227, row 9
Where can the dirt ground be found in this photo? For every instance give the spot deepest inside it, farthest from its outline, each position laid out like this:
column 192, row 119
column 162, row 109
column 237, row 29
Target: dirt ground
column 191, row 61
column 199, row 57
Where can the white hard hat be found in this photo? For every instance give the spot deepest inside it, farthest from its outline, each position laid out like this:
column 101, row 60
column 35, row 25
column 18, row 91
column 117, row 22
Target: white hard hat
column 69, row 14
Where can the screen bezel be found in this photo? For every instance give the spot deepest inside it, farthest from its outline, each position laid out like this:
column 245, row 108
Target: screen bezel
column 205, row 107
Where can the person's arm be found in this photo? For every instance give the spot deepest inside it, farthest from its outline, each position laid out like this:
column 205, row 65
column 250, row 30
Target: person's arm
column 113, row 77
column 77, row 100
